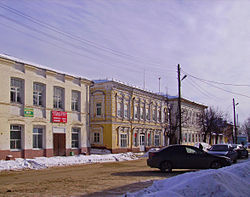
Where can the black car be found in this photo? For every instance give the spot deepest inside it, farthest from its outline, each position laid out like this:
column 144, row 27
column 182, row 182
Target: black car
column 185, row 157
column 224, row 150
column 241, row 150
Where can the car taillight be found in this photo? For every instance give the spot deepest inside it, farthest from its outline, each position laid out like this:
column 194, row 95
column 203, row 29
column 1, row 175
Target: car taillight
column 153, row 154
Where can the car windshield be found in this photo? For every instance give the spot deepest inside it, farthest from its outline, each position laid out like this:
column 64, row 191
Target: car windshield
column 219, row 148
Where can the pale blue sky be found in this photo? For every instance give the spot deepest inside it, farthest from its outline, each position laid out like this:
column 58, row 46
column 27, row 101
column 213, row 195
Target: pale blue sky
column 99, row 39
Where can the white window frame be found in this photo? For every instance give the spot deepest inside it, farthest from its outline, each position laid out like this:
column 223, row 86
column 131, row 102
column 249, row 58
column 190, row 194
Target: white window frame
column 123, row 140
column 119, row 109
column 98, row 107
column 16, row 90
column 38, row 135
column 96, row 137
column 75, row 131
column 38, row 94
column 75, row 101
column 16, row 140
column 157, row 139
column 142, row 113
column 126, row 111
column 58, row 98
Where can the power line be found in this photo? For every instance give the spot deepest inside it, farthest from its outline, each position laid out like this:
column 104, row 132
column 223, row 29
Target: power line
column 216, row 82
column 225, row 89
column 76, row 38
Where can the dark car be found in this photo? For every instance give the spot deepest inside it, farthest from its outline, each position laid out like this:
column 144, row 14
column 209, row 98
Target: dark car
column 224, row 150
column 241, row 150
column 185, row 157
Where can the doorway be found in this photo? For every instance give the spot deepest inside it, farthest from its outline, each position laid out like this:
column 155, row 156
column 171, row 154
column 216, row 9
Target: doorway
column 142, row 142
column 59, row 144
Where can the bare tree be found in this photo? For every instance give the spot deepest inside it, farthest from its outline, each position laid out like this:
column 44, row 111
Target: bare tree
column 212, row 121
column 246, row 128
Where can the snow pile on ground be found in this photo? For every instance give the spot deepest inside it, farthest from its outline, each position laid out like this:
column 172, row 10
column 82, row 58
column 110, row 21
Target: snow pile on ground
column 232, row 181
column 99, row 151
column 45, row 162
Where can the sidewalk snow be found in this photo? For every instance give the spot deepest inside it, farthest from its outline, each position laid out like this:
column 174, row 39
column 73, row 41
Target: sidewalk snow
column 232, row 181
column 45, row 162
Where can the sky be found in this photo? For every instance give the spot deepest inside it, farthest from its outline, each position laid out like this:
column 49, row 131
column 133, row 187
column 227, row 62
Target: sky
column 140, row 43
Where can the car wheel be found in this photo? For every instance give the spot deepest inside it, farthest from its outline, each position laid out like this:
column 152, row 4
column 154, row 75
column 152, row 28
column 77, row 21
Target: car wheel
column 216, row 165
column 166, row 166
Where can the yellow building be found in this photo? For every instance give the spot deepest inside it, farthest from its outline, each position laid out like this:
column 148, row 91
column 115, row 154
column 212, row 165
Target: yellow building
column 42, row 112
column 125, row 118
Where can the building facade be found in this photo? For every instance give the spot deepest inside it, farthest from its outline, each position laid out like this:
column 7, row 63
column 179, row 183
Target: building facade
column 125, row 118
column 191, row 125
column 42, row 112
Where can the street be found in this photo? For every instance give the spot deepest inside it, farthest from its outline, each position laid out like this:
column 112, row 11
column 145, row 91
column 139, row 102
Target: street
column 102, row 179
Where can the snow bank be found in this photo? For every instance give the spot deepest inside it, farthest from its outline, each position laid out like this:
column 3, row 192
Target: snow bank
column 232, row 181
column 45, row 162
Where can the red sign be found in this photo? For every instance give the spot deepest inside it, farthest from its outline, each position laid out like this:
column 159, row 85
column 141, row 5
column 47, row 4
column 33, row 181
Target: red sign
column 59, row 116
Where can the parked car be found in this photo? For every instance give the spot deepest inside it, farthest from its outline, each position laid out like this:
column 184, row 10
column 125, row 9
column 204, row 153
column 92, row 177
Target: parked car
column 204, row 145
column 224, row 150
column 241, row 150
column 185, row 157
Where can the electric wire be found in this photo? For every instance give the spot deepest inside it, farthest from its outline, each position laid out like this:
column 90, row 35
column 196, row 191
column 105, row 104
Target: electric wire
column 71, row 36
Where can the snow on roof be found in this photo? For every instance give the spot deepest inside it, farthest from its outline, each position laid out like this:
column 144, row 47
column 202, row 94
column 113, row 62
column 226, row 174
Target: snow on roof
column 18, row 60
column 232, row 181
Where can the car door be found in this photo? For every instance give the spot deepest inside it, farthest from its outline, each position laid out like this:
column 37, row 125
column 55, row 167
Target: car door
column 195, row 158
column 177, row 157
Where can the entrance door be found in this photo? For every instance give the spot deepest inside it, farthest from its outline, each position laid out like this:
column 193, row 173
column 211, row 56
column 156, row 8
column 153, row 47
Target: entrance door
column 142, row 142
column 59, row 144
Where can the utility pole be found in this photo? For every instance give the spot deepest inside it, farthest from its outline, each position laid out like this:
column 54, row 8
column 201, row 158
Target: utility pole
column 179, row 102
column 159, row 85
column 235, row 128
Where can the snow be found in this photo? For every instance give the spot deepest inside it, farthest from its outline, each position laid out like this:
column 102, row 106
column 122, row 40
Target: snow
column 232, row 181
column 45, row 162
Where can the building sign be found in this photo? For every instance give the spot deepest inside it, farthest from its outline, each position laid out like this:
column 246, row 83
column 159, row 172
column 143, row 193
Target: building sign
column 59, row 116
column 28, row 112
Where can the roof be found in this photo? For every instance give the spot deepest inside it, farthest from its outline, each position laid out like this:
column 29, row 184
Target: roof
column 18, row 60
column 175, row 98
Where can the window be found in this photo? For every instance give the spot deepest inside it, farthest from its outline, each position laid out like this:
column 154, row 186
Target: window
column 119, row 109
column 159, row 116
column 157, row 140
column 149, row 139
column 58, row 97
column 155, row 114
column 135, row 139
column 123, row 138
column 98, row 109
column 75, row 138
column 142, row 113
column 96, row 137
column 136, row 112
column 126, row 111
column 75, row 101
column 37, row 137
column 147, row 114
column 16, row 90
column 15, row 136
column 38, row 94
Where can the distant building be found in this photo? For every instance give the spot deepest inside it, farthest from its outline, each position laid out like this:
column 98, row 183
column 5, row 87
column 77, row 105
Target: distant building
column 191, row 127
column 125, row 118
column 42, row 112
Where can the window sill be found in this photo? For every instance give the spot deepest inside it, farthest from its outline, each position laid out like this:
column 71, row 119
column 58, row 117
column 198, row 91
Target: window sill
column 37, row 148
column 74, row 148
column 15, row 150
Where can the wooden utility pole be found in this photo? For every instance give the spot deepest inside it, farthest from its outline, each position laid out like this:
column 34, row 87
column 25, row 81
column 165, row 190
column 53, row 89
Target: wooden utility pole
column 235, row 127
column 179, row 103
